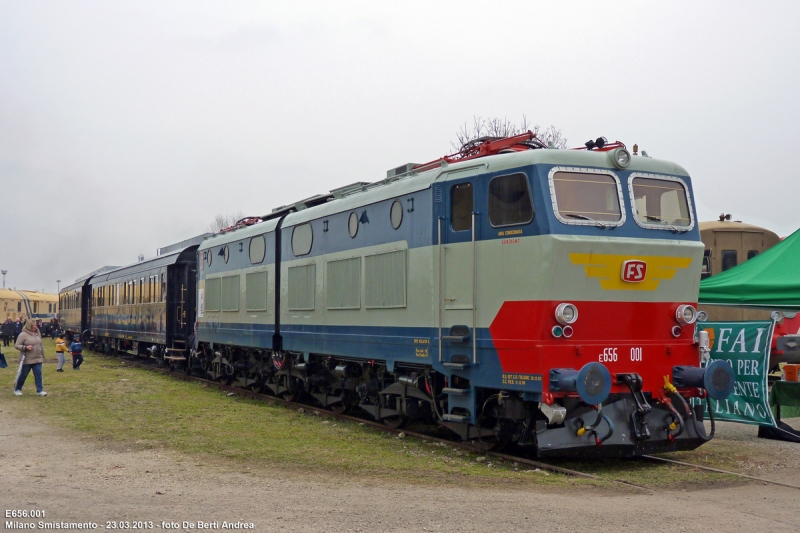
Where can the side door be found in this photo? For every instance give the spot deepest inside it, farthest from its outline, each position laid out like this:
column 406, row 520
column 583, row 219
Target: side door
column 457, row 263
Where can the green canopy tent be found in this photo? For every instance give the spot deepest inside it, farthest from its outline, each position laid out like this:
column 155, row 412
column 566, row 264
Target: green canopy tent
column 770, row 280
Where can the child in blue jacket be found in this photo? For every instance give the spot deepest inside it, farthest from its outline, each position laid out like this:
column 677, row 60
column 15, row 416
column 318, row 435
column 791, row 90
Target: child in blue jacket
column 76, row 350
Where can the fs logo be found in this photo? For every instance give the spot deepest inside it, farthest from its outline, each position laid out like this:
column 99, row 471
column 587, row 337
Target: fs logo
column 633, row 271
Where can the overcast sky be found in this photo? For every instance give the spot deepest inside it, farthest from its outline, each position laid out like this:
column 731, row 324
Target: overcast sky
column 126, row 126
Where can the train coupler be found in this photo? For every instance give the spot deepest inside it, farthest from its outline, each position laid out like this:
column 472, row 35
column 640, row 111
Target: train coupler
column 638, row 417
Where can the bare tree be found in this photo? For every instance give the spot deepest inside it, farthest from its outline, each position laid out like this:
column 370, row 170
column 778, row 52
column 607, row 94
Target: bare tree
column 496, row 127
column 221, row 222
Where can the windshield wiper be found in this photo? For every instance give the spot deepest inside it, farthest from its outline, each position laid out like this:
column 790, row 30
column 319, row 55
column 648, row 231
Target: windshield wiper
column 675, row 229
column 584, row 217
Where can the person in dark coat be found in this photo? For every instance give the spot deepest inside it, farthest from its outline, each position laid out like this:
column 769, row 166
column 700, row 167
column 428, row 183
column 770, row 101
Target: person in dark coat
column 17, row 328
column 7, row 331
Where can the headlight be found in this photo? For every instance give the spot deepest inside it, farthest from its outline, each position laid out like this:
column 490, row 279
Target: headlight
column 702, row 316
column 566, row 314
column 620, row 157
column 686, row 314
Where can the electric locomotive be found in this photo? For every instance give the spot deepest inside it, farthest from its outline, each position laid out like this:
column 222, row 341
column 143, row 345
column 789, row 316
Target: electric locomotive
column 510, row 292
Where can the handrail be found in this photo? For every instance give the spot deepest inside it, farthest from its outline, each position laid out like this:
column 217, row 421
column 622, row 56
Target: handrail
column 440, row 288
column 474, row 292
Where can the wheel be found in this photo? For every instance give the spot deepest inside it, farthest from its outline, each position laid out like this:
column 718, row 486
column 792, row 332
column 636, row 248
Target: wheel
column 496, row 442
column 295, row 389
column 291, row 396
column 395, row 422
column 341, row 408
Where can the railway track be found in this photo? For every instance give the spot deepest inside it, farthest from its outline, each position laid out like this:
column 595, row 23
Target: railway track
column 428, row 437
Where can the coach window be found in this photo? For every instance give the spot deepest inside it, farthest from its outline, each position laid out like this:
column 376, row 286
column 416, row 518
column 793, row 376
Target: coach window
column 660, row 202
column 510, row 201
column 461, row 206
column 587, row 198
column 751, row 254
column 163, row 287
column 729, row 259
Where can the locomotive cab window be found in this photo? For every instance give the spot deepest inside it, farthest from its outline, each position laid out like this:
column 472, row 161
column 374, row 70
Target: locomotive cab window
column 583, row 197
column 510, row 201
column 660, row 203
column 461, row 207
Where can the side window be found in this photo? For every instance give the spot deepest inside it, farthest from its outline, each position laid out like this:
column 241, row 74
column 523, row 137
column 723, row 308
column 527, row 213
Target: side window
column 461, row 206
column 258, row 249
column 396, row 214
column 706, row 269
column 302, row 238
column 163, row 287
column 352, row 225
column 729, row 259
column 510, row 201
column 751, row 254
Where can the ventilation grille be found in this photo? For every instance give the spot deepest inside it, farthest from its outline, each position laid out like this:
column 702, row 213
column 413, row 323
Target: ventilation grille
column 256, row 291
column 437, row 193
column 229, row 299
column 385, row 279
column 301, row 287
column 212, row 294
column 343, row 287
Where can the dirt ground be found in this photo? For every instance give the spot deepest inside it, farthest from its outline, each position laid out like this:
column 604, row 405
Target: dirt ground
column 74, row 480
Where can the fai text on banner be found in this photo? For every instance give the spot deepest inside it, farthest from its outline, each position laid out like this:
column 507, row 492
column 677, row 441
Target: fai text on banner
column 746, row 347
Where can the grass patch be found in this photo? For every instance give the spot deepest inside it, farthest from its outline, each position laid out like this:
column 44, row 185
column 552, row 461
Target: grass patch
column 124, row 406
column 121, row 405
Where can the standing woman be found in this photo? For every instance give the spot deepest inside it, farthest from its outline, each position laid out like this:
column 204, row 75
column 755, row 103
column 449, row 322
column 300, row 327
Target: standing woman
column 31, row 356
